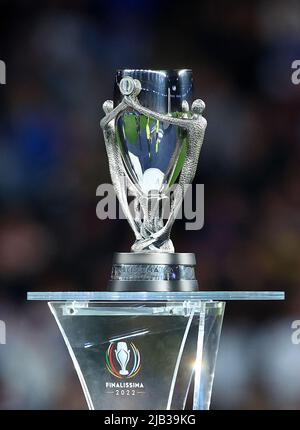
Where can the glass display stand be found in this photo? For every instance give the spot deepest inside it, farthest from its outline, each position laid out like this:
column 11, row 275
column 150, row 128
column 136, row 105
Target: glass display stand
column 144, row 350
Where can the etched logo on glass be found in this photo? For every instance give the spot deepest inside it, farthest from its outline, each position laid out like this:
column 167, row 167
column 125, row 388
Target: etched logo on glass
column 123, row 360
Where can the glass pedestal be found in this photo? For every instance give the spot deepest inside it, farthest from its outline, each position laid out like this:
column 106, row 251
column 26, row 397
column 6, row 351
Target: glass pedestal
column 139, row 350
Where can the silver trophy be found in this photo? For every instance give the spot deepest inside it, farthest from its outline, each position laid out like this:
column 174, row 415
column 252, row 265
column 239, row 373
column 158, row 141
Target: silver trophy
column 151, row 340
column 153, row 134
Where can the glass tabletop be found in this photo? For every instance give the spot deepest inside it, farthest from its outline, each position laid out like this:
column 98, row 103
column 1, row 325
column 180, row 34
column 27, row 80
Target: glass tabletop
column 154, row 296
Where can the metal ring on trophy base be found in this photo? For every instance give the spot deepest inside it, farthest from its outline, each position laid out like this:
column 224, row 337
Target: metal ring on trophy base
column 153, row 272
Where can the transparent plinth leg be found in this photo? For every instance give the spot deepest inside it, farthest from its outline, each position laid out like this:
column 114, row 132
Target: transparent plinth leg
column 149, row 355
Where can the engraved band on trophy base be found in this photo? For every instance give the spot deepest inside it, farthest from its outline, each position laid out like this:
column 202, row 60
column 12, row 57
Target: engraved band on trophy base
column 153, row 272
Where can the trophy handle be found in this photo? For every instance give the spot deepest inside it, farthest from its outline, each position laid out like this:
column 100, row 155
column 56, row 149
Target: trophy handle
column 195, row 127
column 115, row 161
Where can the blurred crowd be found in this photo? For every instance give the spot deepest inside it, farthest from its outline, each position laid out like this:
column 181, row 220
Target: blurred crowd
column 61, row 57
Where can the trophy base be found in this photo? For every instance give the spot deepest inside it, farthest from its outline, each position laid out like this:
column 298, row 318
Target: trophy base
column 150, row 272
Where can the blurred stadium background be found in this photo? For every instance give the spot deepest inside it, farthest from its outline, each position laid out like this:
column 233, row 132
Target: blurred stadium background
column 61, row 58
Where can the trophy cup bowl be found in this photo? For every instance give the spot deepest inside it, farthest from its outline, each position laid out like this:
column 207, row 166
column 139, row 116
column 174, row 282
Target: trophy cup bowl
column 153, row 150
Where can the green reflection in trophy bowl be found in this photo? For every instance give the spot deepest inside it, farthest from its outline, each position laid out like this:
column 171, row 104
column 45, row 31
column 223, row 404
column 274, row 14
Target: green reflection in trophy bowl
column 153, row 151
